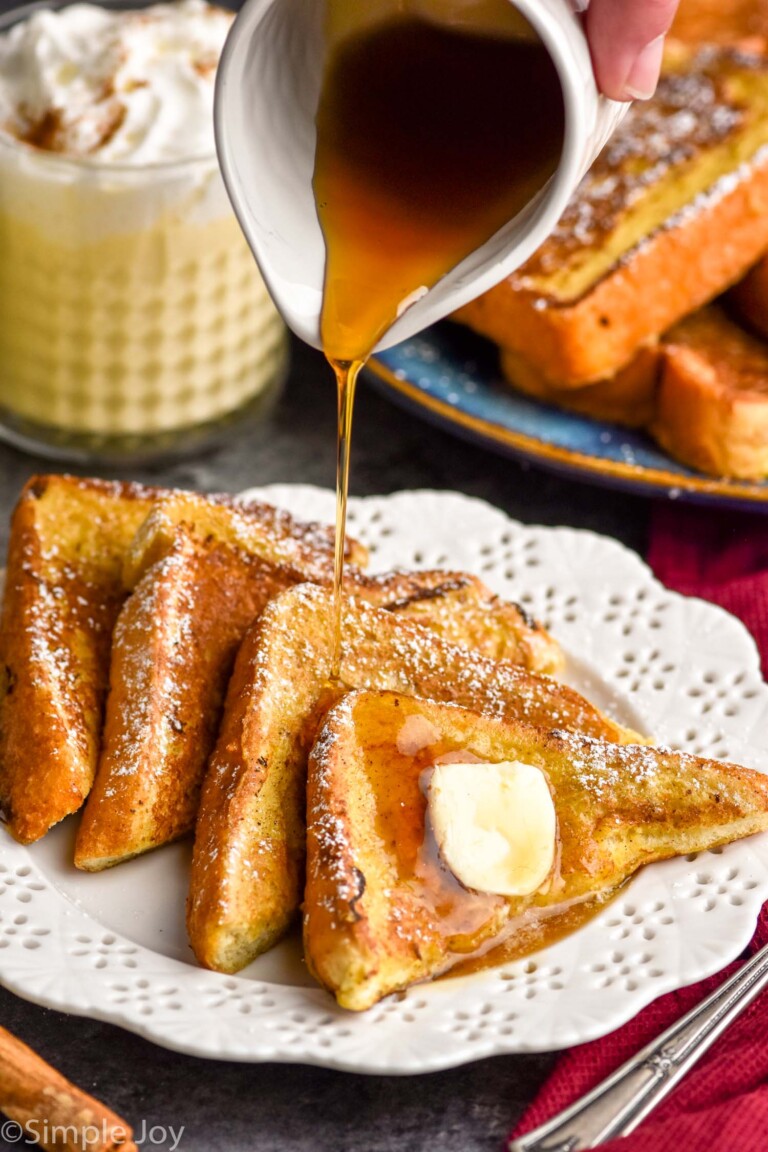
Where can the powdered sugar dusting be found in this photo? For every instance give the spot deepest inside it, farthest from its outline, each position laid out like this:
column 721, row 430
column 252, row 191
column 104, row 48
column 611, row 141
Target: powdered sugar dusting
column 692, row 111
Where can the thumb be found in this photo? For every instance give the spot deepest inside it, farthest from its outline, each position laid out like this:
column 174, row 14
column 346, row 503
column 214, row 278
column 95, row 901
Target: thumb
column 626, row 39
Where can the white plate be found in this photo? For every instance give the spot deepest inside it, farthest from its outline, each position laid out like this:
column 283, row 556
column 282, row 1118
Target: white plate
column 112, row 946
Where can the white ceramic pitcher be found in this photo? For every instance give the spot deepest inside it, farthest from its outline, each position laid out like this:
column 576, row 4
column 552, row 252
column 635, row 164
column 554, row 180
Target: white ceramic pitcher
column 268, row 88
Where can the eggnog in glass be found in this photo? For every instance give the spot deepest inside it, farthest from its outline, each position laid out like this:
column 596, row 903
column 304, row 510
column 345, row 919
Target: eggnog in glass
column 132, row 317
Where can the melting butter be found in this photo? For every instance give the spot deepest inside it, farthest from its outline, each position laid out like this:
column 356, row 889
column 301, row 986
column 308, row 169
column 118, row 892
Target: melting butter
column 495, row 825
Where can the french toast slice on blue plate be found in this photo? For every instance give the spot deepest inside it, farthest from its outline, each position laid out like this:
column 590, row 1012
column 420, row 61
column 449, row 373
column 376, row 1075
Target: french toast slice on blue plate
column 734, row 22
column 712, row 410
column 628, row 397
column 673, row 212
column 384, row 906
column 247, row 868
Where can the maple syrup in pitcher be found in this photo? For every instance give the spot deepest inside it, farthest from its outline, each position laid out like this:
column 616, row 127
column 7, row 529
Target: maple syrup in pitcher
column 430, row 137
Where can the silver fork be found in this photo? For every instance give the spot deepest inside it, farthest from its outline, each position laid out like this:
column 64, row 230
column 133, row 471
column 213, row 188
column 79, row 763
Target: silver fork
column 616, row 1107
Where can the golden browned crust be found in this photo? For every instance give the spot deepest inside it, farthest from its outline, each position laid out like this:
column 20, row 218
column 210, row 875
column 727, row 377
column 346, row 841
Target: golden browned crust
column 205, row 567
column 62, row 595
column 628, row 397
column 587, row 341
column 381, row 911
column 713, row 400
column 673, row 212
column 702, row 391
column 249, row 845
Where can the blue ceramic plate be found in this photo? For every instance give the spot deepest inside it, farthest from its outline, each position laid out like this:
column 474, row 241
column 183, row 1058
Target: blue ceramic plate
column 451, row 377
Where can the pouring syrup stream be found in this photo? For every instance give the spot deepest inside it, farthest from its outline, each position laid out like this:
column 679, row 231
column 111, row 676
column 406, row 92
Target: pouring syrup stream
column 346, row 382
column 430, row 137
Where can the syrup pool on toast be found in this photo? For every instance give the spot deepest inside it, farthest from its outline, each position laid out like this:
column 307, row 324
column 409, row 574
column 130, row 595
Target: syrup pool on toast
column 431, row 135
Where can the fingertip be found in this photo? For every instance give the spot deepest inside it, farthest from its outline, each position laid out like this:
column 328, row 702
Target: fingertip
column 626, row 40
column 643, row 75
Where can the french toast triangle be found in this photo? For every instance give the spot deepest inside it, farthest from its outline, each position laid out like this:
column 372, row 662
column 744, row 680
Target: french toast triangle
column 63, row 592
column 247, row 866
column 250, row 527
column 173, row 648
column 383, row 910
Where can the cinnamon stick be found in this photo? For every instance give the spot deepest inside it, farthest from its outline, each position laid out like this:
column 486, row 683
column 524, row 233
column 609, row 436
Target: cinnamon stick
column 50, row 1110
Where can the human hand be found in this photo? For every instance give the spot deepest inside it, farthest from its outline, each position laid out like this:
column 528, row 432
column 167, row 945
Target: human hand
column 626, row 39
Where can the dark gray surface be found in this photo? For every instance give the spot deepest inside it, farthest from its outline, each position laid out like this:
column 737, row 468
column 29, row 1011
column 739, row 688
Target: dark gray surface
column 234, row 1107
column 239, row 1107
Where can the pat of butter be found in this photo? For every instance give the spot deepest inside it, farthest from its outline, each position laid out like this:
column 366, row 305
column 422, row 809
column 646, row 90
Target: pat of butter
column 495, row 825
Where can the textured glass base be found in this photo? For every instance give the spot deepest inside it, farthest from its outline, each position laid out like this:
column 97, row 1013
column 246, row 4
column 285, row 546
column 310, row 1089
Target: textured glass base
column 112, row 451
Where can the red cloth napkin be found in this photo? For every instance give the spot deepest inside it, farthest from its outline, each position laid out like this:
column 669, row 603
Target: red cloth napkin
column 722, row 1105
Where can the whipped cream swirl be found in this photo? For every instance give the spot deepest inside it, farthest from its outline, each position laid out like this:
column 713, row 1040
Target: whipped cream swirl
column 129, row 87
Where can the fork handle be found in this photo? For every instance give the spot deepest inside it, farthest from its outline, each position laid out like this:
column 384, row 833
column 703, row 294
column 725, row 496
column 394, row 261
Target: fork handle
column 615, row 1107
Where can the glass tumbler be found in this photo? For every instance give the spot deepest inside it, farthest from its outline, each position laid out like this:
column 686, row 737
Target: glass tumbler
column 133, row 319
